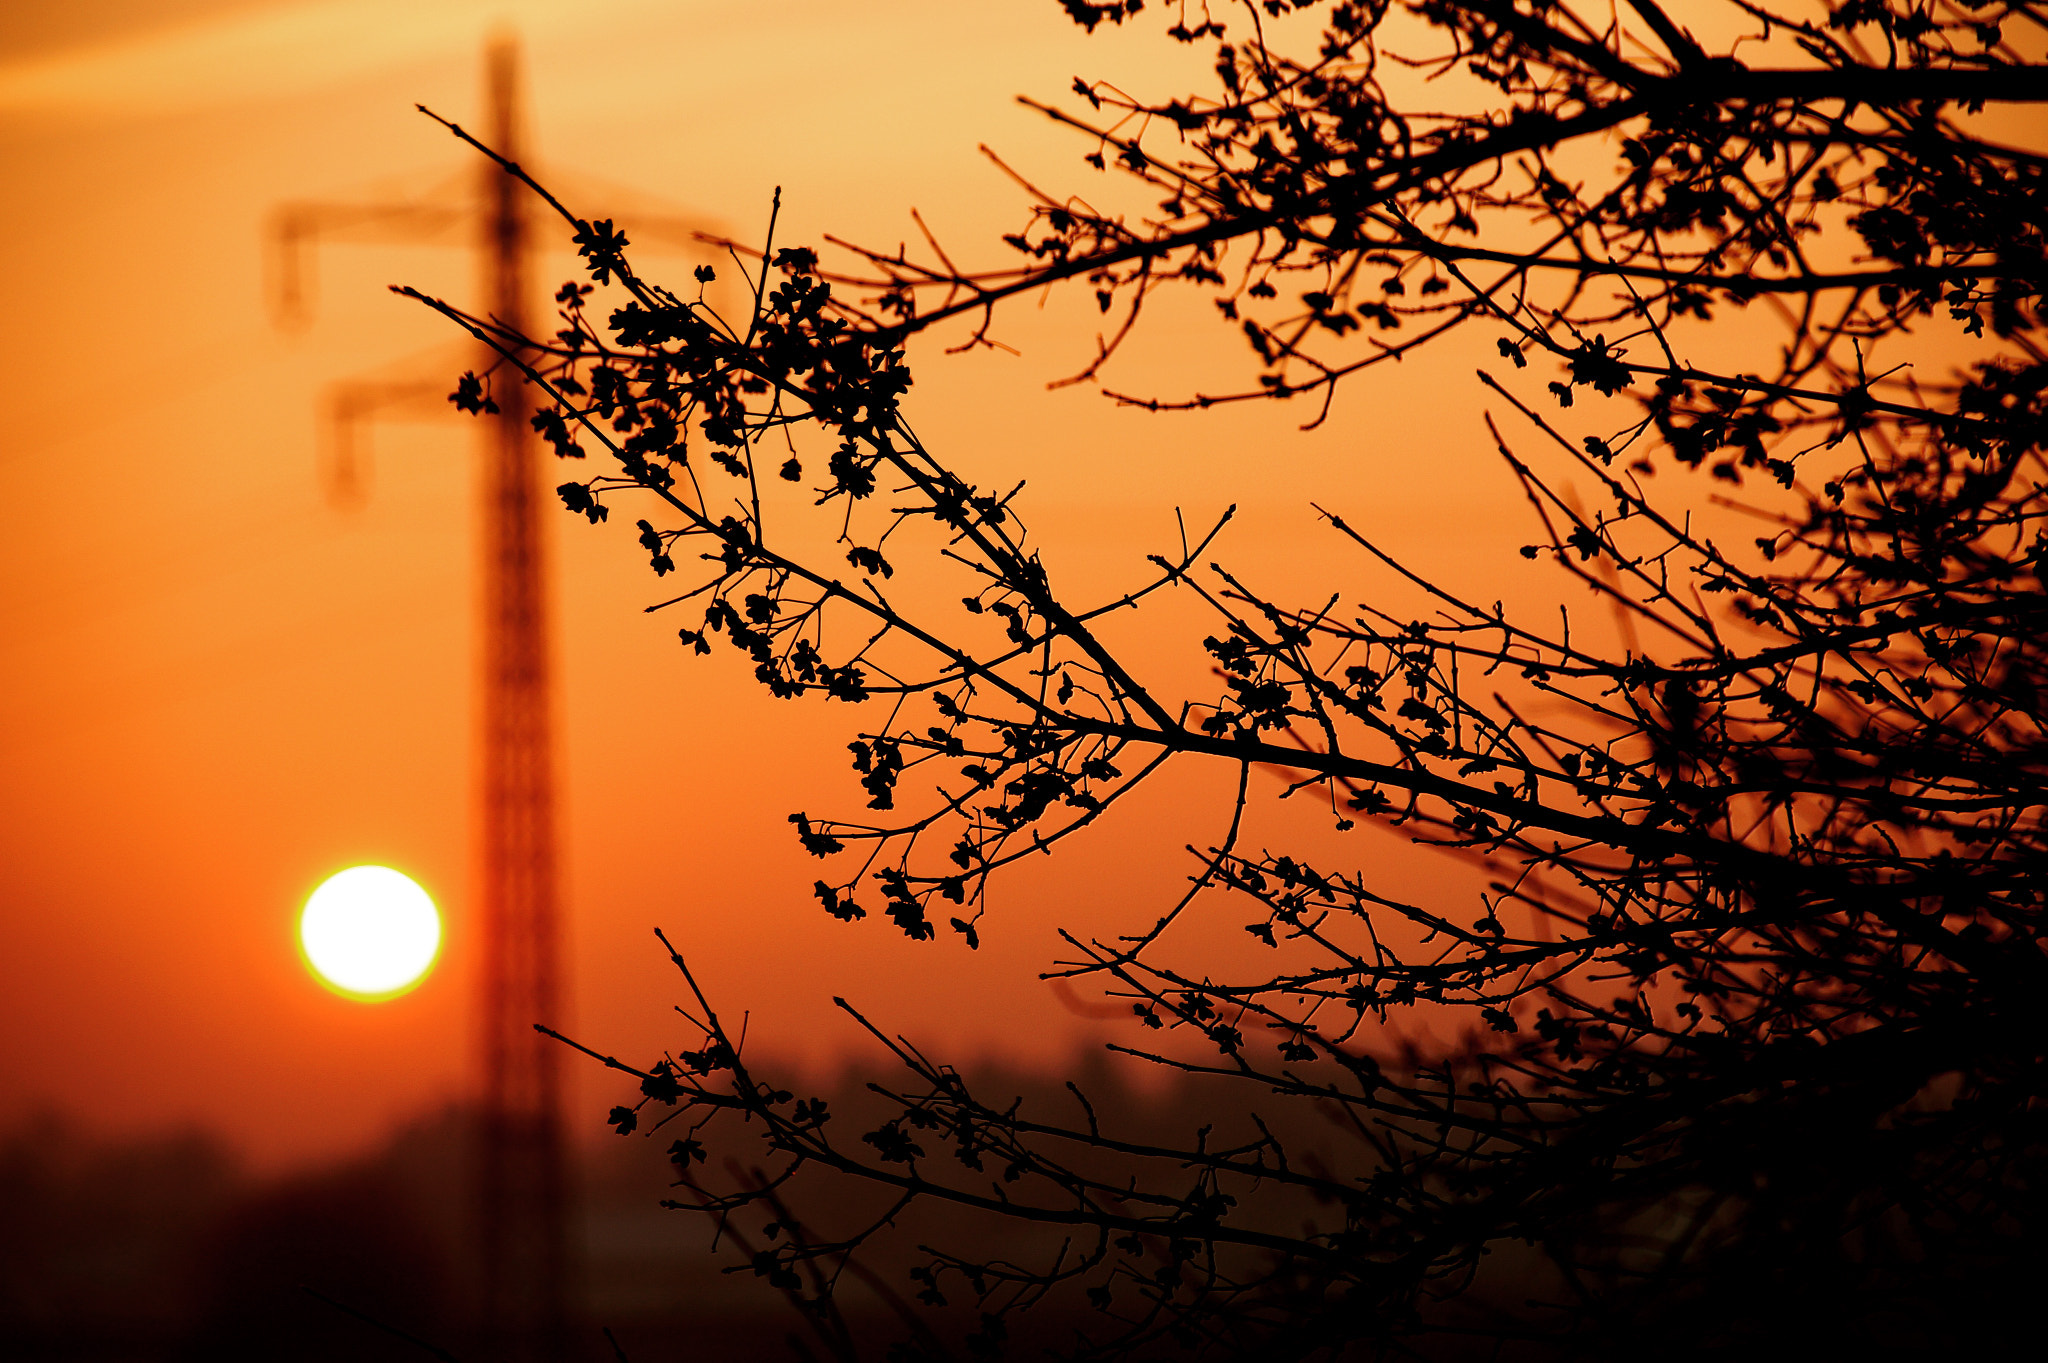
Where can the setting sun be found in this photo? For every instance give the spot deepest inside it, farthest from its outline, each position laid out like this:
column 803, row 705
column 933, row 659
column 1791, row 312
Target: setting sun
column 370, row 933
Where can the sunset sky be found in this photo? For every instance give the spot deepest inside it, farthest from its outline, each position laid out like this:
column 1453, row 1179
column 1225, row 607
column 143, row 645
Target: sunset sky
column 221, row 685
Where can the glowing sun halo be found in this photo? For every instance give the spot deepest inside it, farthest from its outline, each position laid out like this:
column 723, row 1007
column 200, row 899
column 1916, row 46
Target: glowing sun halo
column 370, row 933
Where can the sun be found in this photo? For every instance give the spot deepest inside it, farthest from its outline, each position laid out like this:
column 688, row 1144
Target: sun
column 370, row 933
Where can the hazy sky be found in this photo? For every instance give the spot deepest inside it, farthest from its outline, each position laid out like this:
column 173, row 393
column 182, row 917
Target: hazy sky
column 221, row 686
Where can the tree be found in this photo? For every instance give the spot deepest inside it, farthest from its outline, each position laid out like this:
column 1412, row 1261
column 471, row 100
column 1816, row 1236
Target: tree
column 1755, row 994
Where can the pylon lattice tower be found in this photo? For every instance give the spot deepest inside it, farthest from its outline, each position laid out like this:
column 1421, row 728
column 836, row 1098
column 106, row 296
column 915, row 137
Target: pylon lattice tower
column 522, row 1188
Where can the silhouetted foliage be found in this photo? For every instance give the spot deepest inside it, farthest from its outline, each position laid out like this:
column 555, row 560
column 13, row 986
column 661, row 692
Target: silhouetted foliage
column 1755, row 1054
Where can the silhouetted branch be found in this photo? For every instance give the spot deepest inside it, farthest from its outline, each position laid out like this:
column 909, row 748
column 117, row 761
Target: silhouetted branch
column 1753, row 986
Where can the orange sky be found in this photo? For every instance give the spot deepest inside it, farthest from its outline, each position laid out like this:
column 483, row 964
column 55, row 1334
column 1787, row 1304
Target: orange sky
column 220, row 687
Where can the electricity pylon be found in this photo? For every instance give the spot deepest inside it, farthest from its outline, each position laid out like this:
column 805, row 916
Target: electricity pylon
column 523, row 1194
column 521, row 1184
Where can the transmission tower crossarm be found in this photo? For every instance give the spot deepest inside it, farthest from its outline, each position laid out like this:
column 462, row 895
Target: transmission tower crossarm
column 293, row 226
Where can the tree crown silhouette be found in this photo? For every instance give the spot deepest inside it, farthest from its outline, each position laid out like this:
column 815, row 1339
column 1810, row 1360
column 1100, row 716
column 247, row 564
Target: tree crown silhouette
column 1760, row 959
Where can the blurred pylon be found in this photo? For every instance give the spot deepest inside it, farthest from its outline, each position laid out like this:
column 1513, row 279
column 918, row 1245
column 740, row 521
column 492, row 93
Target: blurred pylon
column 522, row 1194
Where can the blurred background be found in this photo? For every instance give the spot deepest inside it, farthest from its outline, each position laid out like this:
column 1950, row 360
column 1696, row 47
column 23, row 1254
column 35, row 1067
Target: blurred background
column 230, row 673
